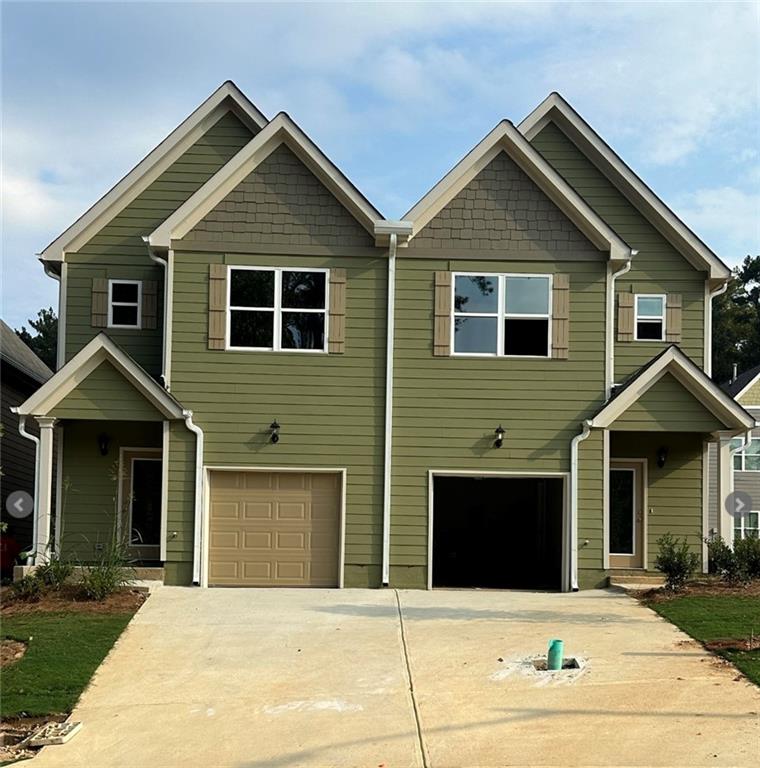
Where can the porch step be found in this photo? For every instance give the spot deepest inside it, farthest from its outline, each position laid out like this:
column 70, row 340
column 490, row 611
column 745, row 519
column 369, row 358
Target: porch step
column 634, row 582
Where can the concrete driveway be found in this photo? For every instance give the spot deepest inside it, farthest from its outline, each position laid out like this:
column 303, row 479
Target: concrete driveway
column 329, row 678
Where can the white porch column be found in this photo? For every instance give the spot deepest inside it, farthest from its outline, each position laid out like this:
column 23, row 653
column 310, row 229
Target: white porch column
column 725, row 487
column 44, row 488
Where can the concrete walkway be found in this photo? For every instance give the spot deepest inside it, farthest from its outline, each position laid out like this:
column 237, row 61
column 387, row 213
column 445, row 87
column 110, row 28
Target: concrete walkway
column 254, row 678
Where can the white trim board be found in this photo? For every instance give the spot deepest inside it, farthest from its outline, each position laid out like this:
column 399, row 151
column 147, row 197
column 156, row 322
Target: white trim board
column 98, row 350
column 225, row 98
column 506, row 138
column 208, row 468
column 514, row 474
column 555, row 109
column 281, row 130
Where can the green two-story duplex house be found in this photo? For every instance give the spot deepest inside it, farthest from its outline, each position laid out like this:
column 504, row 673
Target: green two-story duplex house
column 263, row 382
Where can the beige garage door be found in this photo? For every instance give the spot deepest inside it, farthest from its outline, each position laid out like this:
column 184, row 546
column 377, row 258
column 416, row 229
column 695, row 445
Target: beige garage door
column 274, row 529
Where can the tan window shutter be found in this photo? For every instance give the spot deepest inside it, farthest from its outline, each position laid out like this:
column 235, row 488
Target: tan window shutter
column 625, row 317
column 217, row 305
column 336, row 343
column 99, row 315
column 149, row 304
column 673, row 318
column 561, row 316
column 442, row 329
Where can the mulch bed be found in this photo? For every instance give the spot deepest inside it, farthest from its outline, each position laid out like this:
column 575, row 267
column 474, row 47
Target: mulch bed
column 70, row 599
column 707, row 587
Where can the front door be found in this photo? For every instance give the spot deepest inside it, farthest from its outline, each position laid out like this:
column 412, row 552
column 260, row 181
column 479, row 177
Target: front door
column 626, row 528
column 141, row 502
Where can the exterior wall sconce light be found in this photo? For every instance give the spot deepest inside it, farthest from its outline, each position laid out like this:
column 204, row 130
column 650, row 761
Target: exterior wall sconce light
column 103, row 442
column 662, row 456
column 274, row 432
column 499, row 432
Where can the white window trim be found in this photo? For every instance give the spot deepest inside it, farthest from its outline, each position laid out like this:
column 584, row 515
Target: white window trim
column 649, row 318
column 111, row 303
column 277, row 309
column 501, row 314
column 742, row 454
column 739, row 524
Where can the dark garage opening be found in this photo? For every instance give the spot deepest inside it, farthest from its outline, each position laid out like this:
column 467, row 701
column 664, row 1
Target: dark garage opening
column 497, row 532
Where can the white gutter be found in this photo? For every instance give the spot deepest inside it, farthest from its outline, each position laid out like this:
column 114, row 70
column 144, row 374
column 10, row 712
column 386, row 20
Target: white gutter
column 707, row 366
column 168, row 266
column 199, row 575
column 391, row 324
column 60, row 346
column 579, row 438
column 36, row 441
column 609, row 363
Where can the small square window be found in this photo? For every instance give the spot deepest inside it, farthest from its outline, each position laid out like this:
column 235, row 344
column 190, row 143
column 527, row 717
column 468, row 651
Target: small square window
column 650, row 317
column 124, row 303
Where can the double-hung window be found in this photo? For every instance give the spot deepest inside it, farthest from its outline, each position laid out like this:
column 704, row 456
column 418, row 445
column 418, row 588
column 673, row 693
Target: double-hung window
column 747, row 525
column 650, row 317
column 124, row 303
column 748, row 459
column 277, row 309
column 502, row 315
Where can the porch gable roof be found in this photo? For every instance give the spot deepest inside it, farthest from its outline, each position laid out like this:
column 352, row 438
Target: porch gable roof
column 88, row 359
column 693, row 379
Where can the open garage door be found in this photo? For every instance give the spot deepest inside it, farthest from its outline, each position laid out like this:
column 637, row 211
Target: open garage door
column 497, row 532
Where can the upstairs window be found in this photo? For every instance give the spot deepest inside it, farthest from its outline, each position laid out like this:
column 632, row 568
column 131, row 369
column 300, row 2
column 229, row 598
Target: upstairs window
column 650, row 317
column 747, row 526
column 747, row 460
column 277, row 309
column 124, row 303
column 502, row 315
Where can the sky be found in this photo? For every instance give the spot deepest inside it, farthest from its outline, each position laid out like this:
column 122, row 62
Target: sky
column 395, row 94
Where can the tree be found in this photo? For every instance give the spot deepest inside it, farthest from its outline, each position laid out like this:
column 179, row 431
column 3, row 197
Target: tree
column 736, row 322
column 45, row 342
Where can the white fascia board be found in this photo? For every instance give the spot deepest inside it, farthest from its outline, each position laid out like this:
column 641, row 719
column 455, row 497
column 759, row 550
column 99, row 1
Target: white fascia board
column 281, row 130
column 693, row 379
column 506, row 138
column 100, row 349
column 555, row 109
column 227, row 97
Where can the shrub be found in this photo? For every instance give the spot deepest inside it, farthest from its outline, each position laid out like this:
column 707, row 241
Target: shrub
column 55, row 572
column 747, row 556
column 676, row 561
column 720, row 556
column 29, row 589
column 109, row 573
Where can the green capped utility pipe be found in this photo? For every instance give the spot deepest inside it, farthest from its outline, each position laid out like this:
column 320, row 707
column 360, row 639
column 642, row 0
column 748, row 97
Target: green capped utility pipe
column 555, row 656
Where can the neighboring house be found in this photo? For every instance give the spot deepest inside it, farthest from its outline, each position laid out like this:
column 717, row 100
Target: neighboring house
column 21, row 374
column 745, row 389
column 264, row 382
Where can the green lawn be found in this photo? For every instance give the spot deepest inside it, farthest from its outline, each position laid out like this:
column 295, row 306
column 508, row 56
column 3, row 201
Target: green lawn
column 64, row 651
column 718, row 618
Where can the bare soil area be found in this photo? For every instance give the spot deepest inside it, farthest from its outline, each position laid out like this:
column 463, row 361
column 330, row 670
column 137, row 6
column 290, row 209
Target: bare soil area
column 15, row 732
column 707, row 587
column 70, row 599
column 11, row 651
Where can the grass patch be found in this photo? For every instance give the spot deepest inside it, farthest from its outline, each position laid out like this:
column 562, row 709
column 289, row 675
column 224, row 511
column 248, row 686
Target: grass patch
column 64, row 651
column 719, row 618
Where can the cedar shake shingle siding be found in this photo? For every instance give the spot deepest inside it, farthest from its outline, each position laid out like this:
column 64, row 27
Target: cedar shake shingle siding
column 282, row 202
column 502, row 209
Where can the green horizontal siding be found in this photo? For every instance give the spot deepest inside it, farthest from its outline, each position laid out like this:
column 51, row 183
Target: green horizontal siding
column 591, row 503
column 106, row 394
column 667, row 407
column 118, row 251
column 330, row 406
column 446, row 408
column 89, row 503
column 657, row 268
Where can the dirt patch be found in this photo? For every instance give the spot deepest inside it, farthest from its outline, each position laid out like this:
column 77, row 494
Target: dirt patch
column 14, row 733
column 733, row 644
column 70, row 599
column 11, row 651
column 708, row 587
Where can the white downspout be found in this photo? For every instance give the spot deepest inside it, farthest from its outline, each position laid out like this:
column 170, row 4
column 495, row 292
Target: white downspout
column 389, row 409
column 708, row 326
column 609, row 378
column 29, row 436
column 199, row 573
column 579, row 438
column 168, row 267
